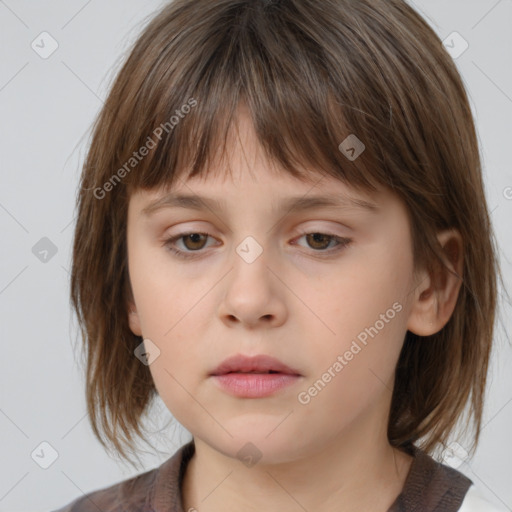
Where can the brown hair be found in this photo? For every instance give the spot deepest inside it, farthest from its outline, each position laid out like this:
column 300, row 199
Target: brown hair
column 310, row 73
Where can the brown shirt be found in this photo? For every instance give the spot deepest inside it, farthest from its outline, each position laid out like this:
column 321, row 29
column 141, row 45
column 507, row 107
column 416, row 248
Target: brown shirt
column 429, row 487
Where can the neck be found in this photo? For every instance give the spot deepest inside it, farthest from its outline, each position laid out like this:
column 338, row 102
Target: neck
column 356, row 470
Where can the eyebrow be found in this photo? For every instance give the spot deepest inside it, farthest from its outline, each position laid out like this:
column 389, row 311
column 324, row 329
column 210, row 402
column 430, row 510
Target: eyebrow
column 290, row 204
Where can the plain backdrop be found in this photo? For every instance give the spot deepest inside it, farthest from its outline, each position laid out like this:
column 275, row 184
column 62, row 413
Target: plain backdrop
column 47, row 105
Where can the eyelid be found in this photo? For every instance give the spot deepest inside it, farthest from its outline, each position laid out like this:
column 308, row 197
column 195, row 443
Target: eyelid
column 342, row 243
column 301, row 232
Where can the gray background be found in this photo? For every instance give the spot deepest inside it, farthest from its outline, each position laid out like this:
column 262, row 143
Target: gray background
column 46, row 109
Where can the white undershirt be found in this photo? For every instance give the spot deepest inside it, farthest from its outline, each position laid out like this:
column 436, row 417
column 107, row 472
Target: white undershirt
column 475, row 502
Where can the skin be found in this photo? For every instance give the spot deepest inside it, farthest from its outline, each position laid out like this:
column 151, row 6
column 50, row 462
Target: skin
column 291, row 303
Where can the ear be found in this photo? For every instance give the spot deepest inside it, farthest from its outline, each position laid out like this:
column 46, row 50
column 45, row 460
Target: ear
column 133, row 319
column 436, row 295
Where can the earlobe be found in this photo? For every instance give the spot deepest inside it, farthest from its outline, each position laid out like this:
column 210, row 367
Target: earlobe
column 436, row 294
column 134, row 320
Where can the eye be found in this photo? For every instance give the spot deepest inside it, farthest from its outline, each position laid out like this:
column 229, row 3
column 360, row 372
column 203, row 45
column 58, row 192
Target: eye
column 195, row 241
column 321, row 241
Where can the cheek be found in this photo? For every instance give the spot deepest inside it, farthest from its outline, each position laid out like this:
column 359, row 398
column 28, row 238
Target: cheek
column 353, row 295
column 363, row 311
column 356, row 371
column 164, row 295
column 170, row 378
column 180, row 365
column 377, row 279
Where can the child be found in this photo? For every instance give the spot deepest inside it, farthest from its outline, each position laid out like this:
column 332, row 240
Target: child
column 326, row 340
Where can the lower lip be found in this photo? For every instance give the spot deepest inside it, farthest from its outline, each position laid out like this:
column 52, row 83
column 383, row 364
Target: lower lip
column 254, row 385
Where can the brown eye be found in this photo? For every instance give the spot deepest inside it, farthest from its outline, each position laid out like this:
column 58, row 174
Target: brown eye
column 193, row 241
column 319, row 240
column 190, row 243
column 319, row 243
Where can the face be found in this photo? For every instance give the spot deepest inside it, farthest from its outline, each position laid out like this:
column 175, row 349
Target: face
column 325, row 290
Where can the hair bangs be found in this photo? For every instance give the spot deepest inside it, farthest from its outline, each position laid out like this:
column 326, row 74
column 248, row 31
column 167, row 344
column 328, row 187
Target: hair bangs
column 299, row 115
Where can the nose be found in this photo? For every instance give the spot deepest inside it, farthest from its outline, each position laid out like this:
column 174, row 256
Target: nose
column 254, row 294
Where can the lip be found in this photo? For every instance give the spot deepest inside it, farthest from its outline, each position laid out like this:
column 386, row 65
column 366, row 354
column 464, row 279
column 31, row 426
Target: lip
column 233, row 376
column 259, row 363
column 254, row 385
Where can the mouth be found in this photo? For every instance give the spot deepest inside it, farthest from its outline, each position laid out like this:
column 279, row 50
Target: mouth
column 257, row 372
column 258, row 376
column 254, row 384
column 260, row 364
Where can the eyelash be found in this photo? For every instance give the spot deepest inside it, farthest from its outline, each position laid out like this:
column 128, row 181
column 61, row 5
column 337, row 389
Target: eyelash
column 169, row 244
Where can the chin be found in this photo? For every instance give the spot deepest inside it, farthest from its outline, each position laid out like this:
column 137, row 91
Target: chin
column 255, row 446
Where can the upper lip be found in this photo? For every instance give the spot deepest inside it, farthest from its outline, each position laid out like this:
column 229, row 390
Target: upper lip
column 259, row 363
